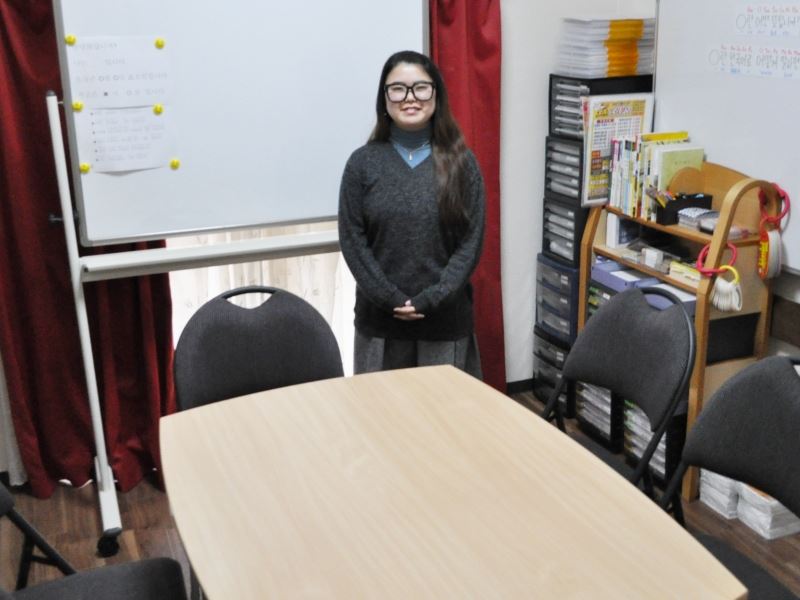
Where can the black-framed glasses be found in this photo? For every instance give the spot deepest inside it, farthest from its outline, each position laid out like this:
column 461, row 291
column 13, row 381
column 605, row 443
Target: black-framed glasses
column 420, row 90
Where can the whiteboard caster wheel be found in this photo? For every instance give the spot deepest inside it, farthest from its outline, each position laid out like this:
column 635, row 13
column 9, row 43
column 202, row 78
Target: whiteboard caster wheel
column 108, row 545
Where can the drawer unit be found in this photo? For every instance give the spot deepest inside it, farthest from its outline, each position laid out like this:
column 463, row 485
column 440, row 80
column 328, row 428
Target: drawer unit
column 548, row 361
column 600, row 415
column 557, row 299
column 637, row 435
column 563, row 228
column 563, row 168
column 565, row 98
column 548, row 349
column 597, row 296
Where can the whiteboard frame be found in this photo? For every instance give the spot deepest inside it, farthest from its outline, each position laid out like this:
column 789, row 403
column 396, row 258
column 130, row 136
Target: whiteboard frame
column 171, row 212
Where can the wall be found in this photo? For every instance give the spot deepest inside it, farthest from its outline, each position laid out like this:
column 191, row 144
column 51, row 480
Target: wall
column 530, row 37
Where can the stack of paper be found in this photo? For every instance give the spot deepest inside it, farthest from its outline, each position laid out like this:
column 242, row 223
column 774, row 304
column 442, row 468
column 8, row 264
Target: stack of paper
column 719, row 493
column 765, row 515
column 606, row 47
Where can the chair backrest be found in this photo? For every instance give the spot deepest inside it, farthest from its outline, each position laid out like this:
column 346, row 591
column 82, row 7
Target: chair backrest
column 640, row 352
column 748, row 430
column 226, row 350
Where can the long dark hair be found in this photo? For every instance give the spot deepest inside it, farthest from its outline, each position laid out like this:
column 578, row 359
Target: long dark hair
column 448, row 147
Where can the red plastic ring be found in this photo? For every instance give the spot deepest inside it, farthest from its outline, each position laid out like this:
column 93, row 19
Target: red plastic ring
column 701, row 259
column 762, row 198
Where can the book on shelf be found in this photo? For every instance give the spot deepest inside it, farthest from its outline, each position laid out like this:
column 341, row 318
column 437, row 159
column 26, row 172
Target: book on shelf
column 642, row 167
column 645, row 204
column 685, row 272
column 671, row 158
column 618, row 116
column 620, row 232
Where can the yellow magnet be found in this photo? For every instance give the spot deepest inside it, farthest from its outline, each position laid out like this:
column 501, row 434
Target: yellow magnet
column 160, row 43
column 158, row 109
column 85, row 168
column 77, row 106
column 70, row 39
column 175, row 164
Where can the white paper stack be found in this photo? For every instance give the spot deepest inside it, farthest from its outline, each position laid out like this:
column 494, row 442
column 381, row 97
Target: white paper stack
column 606, row 47
column 765, row 515
column 719, row 493
column 638, row 435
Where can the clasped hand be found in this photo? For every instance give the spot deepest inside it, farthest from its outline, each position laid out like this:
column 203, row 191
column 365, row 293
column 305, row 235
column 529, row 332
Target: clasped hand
column 407, row 312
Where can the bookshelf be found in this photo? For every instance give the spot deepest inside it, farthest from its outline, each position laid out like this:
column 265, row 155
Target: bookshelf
column 735, row 196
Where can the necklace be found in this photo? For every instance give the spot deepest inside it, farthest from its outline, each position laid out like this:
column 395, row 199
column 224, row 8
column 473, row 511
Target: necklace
column 411, row 152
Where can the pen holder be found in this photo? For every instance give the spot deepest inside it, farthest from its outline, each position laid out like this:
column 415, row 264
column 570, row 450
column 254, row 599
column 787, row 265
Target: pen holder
column 668, row 215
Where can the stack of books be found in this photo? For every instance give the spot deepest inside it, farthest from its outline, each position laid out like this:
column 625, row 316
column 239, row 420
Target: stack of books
column 765, row 515
column 643, row 166
column 606, row 47
column 760, row 512
column 719, row 493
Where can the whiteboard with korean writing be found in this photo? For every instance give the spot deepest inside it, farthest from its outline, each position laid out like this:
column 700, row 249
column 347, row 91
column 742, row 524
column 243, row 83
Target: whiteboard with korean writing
column 196, row 116
column 729, row 73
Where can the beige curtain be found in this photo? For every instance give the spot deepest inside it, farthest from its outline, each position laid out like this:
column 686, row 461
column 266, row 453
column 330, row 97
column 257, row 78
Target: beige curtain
column 323, row 280
column 10, row 460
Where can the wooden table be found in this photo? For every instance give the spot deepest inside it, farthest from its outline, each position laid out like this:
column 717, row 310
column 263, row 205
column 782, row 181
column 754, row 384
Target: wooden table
column 422, row 483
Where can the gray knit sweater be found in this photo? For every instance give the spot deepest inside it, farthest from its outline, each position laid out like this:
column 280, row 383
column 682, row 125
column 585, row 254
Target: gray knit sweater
column 390, row 237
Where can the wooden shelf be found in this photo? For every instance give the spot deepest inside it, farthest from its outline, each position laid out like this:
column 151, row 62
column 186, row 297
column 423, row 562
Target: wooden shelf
column 735, row 196
column 614, row 255
column 679, row 231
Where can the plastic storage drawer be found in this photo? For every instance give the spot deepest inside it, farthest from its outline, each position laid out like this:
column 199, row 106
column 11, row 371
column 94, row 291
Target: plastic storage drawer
column 563, row 173
column 564, row 223
column 557, row 299
column 565, row 98
column 548, row 361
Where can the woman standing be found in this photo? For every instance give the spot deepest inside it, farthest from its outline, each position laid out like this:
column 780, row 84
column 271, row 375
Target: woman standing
column 411, row 211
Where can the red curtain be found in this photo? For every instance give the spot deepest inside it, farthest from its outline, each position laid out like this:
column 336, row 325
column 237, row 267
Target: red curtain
column 130, row 319
column 465, row 44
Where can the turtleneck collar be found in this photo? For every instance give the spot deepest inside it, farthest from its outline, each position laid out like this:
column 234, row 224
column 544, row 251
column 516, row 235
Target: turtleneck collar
column 410, row 139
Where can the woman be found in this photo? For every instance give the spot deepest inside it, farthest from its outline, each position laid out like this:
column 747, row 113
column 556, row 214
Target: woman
column 411, row 210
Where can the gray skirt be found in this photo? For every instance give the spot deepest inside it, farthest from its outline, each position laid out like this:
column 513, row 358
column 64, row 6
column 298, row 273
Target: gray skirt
column 382, row 354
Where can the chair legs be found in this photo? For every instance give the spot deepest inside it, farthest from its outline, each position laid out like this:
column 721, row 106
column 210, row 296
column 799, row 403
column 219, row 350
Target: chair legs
column 552, row 408
column 671, row 500
column 195, row 590
column 32, row 541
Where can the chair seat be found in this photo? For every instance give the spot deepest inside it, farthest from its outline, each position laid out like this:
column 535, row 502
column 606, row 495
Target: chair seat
column 759, row 583
column 152, row 579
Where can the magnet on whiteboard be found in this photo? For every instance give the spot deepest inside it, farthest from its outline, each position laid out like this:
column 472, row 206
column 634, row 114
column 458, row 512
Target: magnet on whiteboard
column 85, row 168
column 174, row 164
column 77, row 106
column 70, row 39
column 158, row 109
column 160, row 43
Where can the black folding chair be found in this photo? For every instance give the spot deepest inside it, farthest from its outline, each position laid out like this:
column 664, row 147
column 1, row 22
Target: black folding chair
column 226, row 350
column 748, row 431
column 639, row 352
column 156, row 578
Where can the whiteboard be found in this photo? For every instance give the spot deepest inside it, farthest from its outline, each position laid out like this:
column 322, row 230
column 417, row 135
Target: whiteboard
column 729, row 73
column 264, row 102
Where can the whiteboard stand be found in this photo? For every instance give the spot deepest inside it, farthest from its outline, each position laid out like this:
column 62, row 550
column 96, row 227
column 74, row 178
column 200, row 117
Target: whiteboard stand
column 134, row 264
column 109, row 508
